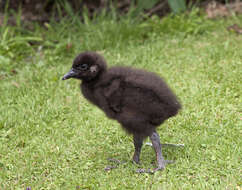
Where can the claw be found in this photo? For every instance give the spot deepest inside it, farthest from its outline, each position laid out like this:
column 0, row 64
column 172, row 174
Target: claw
column 149, row 171
column 109, row 168
column 114, row 160
column 167, row 144
column 141, row 170
column 144, row 171
column 173, row 145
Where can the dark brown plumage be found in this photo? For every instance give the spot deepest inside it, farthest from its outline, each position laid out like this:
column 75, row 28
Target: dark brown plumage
column 139, row 100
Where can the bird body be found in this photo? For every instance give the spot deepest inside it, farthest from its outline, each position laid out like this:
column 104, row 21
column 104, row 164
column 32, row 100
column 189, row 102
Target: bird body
column 139, row 100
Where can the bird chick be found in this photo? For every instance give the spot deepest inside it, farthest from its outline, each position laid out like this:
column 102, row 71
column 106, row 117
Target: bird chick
column 139, row 100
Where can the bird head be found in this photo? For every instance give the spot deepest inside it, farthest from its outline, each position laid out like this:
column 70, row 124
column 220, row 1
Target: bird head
column 86, row 66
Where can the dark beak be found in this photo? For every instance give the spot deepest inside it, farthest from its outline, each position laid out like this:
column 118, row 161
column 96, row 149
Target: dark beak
column 70, row 74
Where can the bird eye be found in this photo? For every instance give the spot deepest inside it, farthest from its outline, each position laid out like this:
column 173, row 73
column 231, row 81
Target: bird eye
column 83, row 66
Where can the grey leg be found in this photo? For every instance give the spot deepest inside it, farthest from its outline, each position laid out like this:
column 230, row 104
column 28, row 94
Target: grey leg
column 138, row 142
column 155, row 139
column 161, row 162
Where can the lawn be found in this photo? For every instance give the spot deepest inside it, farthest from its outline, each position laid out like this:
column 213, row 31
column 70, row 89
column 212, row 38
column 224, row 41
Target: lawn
column 52, row 138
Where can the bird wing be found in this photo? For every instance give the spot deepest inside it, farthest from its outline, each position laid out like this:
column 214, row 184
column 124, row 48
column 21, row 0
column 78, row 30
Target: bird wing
column 113, row 94
column 140, row 100
column 146, row 80
column 133, row 99
column 154, row 84
column 139, row 93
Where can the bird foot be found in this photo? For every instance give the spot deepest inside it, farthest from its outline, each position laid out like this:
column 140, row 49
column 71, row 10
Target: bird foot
column 168, row 144
column 173, row 145
column 142, row 170
column 162, row 167
column 114, row 160
column 110, row 167
column 149, row 170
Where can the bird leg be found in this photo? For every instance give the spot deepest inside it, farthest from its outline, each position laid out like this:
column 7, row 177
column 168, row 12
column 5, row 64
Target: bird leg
column 155, row 139
column 138, row 142
column 161, row 162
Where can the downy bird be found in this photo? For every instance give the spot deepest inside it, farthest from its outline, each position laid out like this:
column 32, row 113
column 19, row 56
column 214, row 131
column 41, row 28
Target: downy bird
column 139, row 100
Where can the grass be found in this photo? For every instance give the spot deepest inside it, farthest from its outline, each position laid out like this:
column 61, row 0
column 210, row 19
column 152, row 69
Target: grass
column 52, row 138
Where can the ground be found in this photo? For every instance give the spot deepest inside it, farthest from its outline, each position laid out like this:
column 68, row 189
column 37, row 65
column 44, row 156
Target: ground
column 52, row 138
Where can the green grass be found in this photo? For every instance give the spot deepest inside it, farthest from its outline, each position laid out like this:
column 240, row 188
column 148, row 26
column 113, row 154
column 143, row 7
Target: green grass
column 52, row 138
